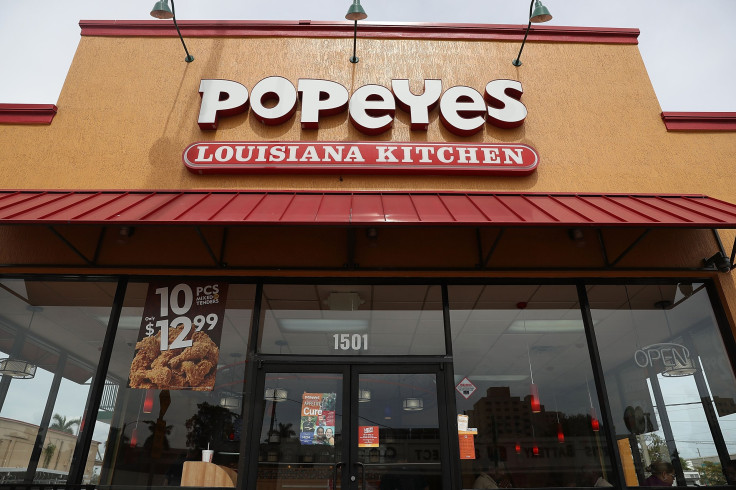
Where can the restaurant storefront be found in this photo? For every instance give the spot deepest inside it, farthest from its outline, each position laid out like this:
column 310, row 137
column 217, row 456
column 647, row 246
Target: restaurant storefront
column 248, row 272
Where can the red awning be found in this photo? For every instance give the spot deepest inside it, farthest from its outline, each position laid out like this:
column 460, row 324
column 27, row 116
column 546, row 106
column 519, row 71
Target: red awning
column 363, row 208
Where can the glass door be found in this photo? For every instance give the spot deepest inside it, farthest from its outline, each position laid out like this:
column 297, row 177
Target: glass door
column 398, row 443
column 356, row 427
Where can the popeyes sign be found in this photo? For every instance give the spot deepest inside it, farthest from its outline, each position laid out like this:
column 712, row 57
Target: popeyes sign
column 372, row 108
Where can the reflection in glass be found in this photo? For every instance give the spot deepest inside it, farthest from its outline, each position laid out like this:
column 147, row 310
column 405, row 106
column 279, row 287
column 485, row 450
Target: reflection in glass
column 58, row 328
column 301, row 431
column 398, row 432
column 352, row 320
column 157, row 437
column 524, row 380
column 671, row 388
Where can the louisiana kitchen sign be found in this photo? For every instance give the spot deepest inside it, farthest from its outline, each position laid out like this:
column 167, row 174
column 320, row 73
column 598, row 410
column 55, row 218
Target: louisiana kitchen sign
column 462, row 110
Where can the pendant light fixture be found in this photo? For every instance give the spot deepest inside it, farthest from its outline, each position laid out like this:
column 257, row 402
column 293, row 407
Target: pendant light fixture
column 535, row 404
column 230, row 401
column 134, row 436
column 148, row 401
column 355, row 13
column 364, row 396
column 19, row 368
column 161, row 10
column 538, row 13
column 413, row 404
column 560, row 433
column 594, row 422
column 275, row 394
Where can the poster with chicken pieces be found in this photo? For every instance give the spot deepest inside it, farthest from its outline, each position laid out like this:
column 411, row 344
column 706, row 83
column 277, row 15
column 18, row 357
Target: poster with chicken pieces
column 179, row 338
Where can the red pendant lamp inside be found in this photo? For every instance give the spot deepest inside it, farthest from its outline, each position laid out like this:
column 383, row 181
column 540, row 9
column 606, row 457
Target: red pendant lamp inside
column 536, row 405
column 134, row 438
column 148, row 401
column 560, row 434
column 594, row 423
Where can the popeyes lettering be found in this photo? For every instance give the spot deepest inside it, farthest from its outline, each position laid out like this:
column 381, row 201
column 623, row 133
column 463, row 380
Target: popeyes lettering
column 372, row 108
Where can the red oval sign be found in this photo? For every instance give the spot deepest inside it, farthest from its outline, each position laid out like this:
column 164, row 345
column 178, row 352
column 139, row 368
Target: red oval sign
column 238, row 157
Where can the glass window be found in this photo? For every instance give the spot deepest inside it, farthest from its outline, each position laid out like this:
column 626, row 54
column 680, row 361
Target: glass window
column 670, row 385
column 51, row 334
column 352, row 320
column 524, row 381
column 155, row 436
column 301, row 432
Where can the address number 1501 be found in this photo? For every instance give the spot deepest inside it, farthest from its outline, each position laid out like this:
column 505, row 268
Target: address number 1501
column 347, row 341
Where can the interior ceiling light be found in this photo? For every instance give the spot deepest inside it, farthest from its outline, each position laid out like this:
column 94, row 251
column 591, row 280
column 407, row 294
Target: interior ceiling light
column 546, row 326
column 275, row 394
column 230, row 401
column 18, row 368
column 413, row 404
column 161, row 10
column 355, row 13
column 538, row 13
column 337, row 301
column 364, row 396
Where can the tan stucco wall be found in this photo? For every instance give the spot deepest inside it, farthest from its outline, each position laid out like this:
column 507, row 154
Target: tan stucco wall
column 129, row 108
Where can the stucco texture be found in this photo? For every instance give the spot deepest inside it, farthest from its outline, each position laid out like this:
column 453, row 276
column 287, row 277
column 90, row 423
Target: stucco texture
column 129, row 107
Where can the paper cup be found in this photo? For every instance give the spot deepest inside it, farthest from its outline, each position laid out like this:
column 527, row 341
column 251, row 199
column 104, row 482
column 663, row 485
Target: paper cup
column 207, row 455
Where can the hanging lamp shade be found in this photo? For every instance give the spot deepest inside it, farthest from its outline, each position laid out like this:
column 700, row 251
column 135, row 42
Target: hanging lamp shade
column 356, row 11
column 134, row 438
column 17, row 368
column 540, row 14
column 161, row 10
column 148, row 401
column 275, row 394
column 680, row 368
column 364, row 396
column 594, row 423
column 534, row 398
column 413, row 404
column 230, row 401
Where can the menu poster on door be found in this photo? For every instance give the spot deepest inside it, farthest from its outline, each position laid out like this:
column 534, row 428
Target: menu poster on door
column 467, row 446
column 179, row 337
column 368, row 436
column 318, row 419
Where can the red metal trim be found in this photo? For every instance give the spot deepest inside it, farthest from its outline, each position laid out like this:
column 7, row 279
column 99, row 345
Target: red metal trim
column 382, row 30
column 699, row 121
column 27, row 113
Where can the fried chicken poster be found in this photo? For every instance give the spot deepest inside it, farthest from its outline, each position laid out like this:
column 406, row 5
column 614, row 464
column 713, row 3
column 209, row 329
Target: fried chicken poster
column 178, row 343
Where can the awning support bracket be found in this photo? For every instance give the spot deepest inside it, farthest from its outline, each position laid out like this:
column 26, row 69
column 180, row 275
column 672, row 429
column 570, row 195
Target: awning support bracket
column 487, row 259
column 71, row 246
column 630, row 247
column 604, row 252
column 207, row 246
column 98, row 248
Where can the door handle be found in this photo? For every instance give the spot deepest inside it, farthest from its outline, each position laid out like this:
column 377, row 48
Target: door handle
column 362, row 474
column 334, row 474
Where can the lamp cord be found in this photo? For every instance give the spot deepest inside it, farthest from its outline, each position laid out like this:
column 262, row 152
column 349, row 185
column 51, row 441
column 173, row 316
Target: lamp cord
column 528, row 27
column 189, row 57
